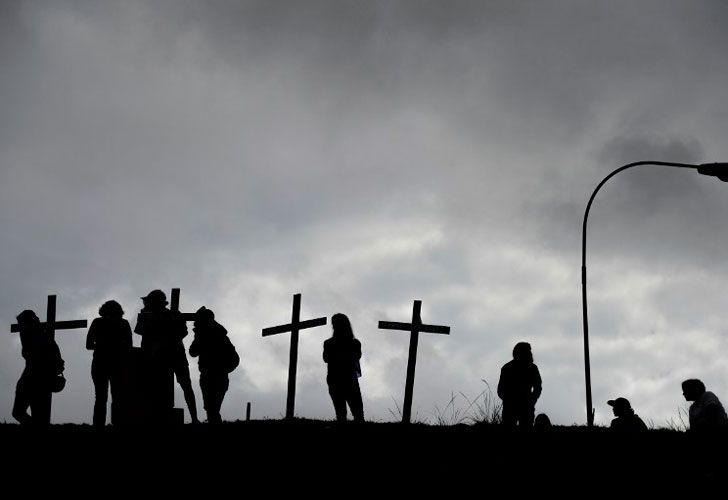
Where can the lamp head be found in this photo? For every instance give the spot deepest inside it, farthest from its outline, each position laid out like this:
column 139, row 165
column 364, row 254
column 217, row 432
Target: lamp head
column 719, row 170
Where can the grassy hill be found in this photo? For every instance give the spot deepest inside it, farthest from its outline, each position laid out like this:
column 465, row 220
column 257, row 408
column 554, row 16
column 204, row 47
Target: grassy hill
column 307, row 457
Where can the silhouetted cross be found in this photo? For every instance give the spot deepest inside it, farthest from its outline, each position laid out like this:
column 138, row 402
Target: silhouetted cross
column 174, row 306
column 414, row 328
column 294, row 327
column 51, row 324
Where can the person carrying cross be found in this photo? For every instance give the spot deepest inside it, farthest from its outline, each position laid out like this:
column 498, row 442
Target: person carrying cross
column 162, row 332
column 43, row 362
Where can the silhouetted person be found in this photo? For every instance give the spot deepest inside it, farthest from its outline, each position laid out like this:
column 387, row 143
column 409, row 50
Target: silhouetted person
column 43, row 362
column 626, row 420
column 162, row 332
column 109, row 337
column 216, row 358
column 342, row 352
column 542, row 423
column 706, row 413
column 519, row 387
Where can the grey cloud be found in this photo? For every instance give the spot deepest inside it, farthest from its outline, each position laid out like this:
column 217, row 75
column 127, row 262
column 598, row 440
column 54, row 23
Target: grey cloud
column 248, row 150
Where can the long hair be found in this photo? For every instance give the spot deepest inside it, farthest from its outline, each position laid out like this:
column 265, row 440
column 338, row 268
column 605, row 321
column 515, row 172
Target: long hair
column 341, row 327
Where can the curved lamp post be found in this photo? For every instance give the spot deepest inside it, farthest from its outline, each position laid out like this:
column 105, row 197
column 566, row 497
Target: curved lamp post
column 719, row 170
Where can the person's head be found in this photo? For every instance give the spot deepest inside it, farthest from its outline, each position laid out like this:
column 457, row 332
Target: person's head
column 204, row 315
column 693, row 389
column 155, row 300
column 522, row 352
column 27, row 318
column 542, row 422
column 620, row 407
column 111, row 309
column 341, row 327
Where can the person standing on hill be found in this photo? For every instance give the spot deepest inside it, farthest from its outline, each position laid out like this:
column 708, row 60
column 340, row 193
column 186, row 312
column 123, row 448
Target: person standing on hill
column 342, row 352
column 519, row 387
column 216, row 359
column 164, row 354
column 43, row 362
column 109, row 337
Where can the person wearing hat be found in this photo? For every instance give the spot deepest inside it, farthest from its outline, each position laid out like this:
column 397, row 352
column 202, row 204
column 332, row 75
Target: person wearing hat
column 164, row 354
column 626, row 420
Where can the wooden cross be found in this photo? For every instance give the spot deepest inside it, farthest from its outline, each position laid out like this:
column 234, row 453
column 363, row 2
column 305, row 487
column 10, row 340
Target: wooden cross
column 51, row 324
column 294, row 327
column 414, row 328
column 174, row 306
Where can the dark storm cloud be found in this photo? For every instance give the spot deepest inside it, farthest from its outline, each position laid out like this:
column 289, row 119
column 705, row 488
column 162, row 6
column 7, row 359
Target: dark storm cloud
column 366, row 153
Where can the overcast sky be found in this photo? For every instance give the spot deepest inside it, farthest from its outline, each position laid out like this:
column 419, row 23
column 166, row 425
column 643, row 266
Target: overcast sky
column 367, row 154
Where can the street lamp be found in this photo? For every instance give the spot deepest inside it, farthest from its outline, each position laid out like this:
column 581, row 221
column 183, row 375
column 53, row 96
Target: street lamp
column 719, row 170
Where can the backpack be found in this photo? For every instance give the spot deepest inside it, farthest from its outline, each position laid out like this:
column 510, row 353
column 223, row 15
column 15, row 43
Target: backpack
column 230, row 357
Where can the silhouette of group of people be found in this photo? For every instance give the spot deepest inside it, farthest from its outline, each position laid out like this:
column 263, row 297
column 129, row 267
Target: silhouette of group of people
column 163, row 358
column 115, row 365
column 519, row 388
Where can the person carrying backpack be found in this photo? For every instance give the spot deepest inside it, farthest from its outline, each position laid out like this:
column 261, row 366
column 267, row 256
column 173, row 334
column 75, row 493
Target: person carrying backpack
column 43, row 363
column 216, row 359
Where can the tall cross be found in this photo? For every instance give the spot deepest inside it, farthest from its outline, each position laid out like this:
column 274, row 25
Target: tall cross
column 51, row 324
column 174, row 306
column 414, row 328
column 294, row 327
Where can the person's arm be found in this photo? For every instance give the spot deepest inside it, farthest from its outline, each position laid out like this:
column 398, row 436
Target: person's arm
column 326, row 352
column 536, row 384
column 502, row 385
column 126, row 331
column 195, row 346
column 181, row 326
column 139, row 327
column 91, row 336
column 357, row 350
column 24, row 351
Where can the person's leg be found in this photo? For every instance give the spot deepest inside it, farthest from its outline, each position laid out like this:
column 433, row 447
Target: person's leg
column 529, row 414
column 508, row 416
column 338, row 397
column 182, row 372
column 22, row 401
column 220, row 387
column 100, row 377
column 355, row 402
column 40, row 406
column 116, row 383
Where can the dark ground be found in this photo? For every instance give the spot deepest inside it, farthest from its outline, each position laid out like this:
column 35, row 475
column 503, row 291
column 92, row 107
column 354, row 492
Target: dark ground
column 275, row 458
